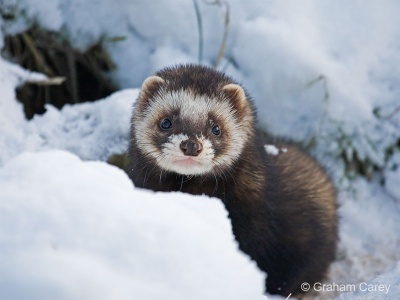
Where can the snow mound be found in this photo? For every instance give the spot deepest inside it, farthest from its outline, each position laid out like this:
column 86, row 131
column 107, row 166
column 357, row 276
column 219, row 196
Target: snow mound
column 93, row 131
column 15, row 135
column 385, row 287
column 79, row 230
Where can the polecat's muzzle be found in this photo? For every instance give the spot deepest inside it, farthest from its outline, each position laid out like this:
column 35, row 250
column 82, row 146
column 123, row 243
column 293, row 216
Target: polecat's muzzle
column 191, row 148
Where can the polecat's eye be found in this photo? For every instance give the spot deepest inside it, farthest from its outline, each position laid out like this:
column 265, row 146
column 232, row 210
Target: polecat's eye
column 216, row 130
column 166, row 124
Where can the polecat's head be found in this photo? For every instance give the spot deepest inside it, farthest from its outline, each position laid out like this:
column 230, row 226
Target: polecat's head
column 192, row 120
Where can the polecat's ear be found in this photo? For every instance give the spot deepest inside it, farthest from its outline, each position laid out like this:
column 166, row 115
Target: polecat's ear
column 152, row 82
column 149, row 87
column 236, row 94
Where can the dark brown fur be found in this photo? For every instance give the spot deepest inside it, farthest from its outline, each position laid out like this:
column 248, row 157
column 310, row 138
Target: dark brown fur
column 282, row 208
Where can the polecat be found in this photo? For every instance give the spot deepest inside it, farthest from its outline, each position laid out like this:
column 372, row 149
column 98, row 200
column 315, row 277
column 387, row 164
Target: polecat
column 194, row 130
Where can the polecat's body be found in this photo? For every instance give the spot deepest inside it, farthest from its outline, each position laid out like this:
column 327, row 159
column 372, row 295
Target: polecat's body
column 193, row 130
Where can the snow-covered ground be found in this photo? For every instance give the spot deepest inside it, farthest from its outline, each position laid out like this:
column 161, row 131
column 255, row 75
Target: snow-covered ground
column 78, row 230
column 73, row 227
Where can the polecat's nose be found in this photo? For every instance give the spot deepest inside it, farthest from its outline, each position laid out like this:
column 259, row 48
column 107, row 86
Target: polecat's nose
column 191, row 148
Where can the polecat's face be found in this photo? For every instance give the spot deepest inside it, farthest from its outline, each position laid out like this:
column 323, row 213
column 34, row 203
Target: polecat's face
column 188, row 133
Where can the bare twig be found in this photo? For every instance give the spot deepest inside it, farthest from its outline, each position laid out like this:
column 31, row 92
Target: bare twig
column 392, row 114
column 48, row 81
column 221, row 52
column 73, row 75
column 40, row 61
column 320, row 78
column 222, row 48
column 200, row 29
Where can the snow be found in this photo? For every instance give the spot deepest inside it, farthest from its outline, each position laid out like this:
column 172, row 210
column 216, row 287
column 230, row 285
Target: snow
column 84, row 129
column 385, row 286
column 392, row 176
column 14, row 130
column 68, row 223
column 271, row 149
column 322, row 72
